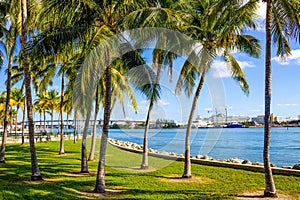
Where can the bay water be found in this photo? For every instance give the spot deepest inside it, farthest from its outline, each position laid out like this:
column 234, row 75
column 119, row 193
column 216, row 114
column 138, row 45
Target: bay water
column 221, row 143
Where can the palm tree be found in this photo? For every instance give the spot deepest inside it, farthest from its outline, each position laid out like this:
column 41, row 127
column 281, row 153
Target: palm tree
column 158, row 57
column 220, row 33
column 67, row 106
column 10, row 16
column 52, row 101
column 99, row 20
column 282, row 23
column 41, row 107
column 35, row 175
column 167, row 14
column 17, row 99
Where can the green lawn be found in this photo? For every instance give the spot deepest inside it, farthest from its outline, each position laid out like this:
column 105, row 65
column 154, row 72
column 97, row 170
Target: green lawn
column 123, row 179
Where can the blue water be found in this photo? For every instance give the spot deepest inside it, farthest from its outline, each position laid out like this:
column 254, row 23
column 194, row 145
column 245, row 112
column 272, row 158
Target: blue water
column 243, row 143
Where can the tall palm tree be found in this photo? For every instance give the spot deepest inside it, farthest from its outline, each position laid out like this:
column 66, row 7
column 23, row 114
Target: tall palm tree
column 282, row 23
column 158, row 56
column 11, row 15
column 86, row 18
column 221, row 33
column 168, row 14
column 35, row 171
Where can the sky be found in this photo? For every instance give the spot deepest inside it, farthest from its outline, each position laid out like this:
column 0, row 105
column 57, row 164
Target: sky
column 220, row 91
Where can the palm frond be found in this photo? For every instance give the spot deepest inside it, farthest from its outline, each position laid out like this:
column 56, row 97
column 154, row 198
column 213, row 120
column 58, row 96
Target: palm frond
column 237, row 72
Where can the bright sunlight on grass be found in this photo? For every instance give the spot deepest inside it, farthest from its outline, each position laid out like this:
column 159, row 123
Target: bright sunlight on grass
column 124, row 180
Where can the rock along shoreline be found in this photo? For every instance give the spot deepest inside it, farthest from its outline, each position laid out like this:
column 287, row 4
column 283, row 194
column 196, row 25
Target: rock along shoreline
column 206, row 160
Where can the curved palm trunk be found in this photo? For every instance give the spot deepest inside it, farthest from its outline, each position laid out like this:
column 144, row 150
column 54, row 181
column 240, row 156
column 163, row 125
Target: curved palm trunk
column 100, row 179
column 8, row 85
column 270, row 190
column 23, row 121
column 84, row 163
column 145, row 163
column 145, row 159
column 187, row 159
column 34, row 163
column 94, row 137
column 61, row 144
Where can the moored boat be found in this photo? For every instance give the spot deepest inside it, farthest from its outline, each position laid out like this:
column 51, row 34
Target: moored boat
column 234, row 125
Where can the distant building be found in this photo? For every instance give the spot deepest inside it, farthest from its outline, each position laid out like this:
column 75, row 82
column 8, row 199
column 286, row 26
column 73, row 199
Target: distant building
column 222, row 119
column 260, row 119
column 280, row 119
column 273, row 118
column 289, row 119
column 200, row 122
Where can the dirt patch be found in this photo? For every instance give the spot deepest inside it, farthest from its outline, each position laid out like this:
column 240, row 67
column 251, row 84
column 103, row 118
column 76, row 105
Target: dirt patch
column 173, row 178
column 109, row 193
column 258, row 195
column 64, row 154
column 78, row 173
column 138, row 169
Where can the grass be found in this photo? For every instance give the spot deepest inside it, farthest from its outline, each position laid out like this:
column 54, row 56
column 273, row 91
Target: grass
column 124, row 180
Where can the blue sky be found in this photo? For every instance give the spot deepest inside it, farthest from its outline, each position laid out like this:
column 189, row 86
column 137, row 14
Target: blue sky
column 285, row 91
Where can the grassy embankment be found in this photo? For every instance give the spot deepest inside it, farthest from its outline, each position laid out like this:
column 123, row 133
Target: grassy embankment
column 123, row 179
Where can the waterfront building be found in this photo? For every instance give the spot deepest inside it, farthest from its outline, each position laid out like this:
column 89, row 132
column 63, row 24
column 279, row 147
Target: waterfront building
column 260, row 119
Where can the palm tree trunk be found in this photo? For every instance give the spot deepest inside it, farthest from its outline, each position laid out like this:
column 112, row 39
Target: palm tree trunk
column 94, row 137
column 10, row 120
column 187, row 159
column 45, row 127
column 23, row 121
column 100, row 179
column 44, row 114
column 61, row 146
column 8, row 85
column 67, row 126
column 145, row 163
column 270, row 190
column 84, row 163
column 75, row 125
column 52, row 113
column 34, row 163
column 16, row 124
column 40, row 129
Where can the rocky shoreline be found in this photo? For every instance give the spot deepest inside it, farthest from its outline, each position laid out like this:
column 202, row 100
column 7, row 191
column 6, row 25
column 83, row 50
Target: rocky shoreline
column 139, row 148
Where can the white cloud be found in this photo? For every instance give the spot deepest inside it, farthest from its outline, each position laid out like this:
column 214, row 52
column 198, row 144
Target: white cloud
column 261, row 16
column 53, row 87
column 220, row 68
column 294, row 58
column 255, row 110
column 261, row 11
column 163, row 102
column 287, row 104
column 207, row 109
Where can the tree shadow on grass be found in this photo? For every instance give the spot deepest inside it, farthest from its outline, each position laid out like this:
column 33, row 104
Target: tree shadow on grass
column 170, row 194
